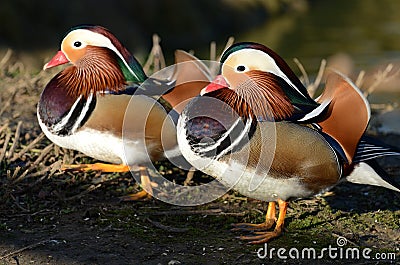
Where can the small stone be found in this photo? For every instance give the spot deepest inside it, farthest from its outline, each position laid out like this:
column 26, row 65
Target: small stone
column 174, row 262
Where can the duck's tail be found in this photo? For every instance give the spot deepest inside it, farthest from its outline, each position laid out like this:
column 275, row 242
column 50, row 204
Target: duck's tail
column 366, row 168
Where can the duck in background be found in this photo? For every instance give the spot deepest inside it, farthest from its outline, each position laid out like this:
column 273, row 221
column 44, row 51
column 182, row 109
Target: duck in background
column 83, row 106
column 269, row 140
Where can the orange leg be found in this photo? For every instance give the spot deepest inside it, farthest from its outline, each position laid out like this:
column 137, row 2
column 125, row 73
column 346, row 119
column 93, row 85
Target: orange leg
column 108, row 168
column 265, row 236
column 270, row 220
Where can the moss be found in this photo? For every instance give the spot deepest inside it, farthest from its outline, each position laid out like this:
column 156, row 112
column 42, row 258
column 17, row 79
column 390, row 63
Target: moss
column 3, row 227
column 389, row 218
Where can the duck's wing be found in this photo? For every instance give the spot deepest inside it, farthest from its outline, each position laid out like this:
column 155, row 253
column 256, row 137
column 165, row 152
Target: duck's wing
column 347, row 114
column 190, row 75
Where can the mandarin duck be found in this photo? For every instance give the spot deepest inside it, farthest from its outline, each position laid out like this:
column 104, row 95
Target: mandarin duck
column 256, row 129
column 83, row 107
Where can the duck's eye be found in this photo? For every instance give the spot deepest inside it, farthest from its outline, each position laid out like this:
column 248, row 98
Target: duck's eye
column 240, row 68
column 77, row 44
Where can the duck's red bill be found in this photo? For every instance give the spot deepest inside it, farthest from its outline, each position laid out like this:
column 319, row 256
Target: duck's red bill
column 58, row 59
column 218, row 83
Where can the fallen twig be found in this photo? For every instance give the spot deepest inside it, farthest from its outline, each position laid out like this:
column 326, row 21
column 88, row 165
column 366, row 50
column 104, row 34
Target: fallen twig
column 3, row 127
column 4, row 149
column 360, row 79
column 156, row 57
column 27, row 148
column 167, row 228
column 6, row 57
column 313, row 87
column 229, row 43
column 16, row 139
column 213, row 51
column 214, row 67
column 303, row 72
column 196, row 212
column 6, row 105
column 380, row 77
column 31, row 246
column 189, row 176
column 44, row 152
column 49, row 169
column 80, row 195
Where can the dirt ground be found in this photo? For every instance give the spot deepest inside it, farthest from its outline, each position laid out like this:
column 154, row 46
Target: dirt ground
column 53, row 217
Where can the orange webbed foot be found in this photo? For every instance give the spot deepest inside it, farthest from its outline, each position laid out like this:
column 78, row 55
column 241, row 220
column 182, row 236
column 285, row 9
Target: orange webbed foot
column 138, row 196
column 270, row 220
column 146, row 193
column 260, row 235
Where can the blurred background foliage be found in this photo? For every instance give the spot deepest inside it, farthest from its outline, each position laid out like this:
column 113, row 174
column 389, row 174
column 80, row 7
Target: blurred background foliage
column 36, row 26
column 310, row 30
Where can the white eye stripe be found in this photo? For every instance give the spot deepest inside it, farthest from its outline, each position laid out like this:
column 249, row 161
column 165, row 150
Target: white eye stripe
column 95, row 39
column 262, row 61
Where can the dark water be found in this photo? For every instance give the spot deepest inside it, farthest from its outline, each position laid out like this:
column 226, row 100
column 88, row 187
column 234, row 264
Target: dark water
column 368, row 31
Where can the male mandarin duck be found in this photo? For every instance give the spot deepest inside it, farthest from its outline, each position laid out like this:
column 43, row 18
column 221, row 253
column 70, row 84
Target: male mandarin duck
column 256, row 129
column 83, row 106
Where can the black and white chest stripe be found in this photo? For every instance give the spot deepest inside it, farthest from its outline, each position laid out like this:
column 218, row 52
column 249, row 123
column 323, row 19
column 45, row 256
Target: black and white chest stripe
column 216, row 146
column 78, row 114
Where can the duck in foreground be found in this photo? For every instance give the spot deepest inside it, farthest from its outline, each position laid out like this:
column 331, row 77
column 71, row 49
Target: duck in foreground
column 266, row 138
column 83, row 106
